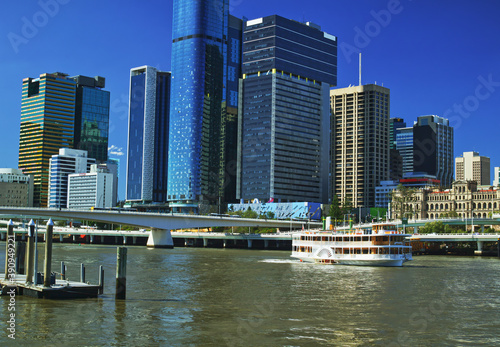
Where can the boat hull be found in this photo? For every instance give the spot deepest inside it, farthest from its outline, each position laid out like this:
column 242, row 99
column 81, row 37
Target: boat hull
column 356, row 262
column 374, row 262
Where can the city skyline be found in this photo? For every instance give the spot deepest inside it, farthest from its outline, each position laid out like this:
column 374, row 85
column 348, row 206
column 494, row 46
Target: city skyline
column 453, row 73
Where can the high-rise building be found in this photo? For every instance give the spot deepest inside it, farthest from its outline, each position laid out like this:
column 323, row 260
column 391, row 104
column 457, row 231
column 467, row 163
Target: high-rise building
column 360, row 142
column 230, row 112
column 92, row 117
column 91, row 190
column 395, row 165
column 198, row 95
column 112, row 166
column 395, row 124
column 68, row 161
column 288, row 69
column 496, row 179
column 404, row 145
column 47, row 124
column 16, row 188
column 472, row 167
column 148, row 135
column 396, row 159
column 433, row 148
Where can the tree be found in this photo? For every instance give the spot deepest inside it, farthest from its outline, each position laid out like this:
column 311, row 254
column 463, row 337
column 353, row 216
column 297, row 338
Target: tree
column 436, row 227
column 347, row 206
column 335, row 211
column 450, row 214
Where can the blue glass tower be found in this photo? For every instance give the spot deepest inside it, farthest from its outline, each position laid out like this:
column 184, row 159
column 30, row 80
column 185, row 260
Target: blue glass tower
column 147, row 160
column 198, row 95
column 92, row 117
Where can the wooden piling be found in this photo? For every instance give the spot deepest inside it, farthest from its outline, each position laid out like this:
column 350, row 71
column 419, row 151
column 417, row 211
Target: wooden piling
column 48, row 253
column 121, row 272
column 82, row 273
column 10, row 236
column 20, row 257
column 63, row 271
column 101, row 279
column 30, row 252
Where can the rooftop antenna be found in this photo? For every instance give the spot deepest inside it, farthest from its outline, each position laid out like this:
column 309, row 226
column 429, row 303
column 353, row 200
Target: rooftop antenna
column 360, row 68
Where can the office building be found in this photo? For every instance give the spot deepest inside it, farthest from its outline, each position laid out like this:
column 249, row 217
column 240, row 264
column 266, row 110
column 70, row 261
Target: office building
column 288, row 69
column 112, row 166
column 16, row 188
column 496, row 179
column 148, row 135
column 230, row 113
column 199, row 72
column 91, row 190
column 433, row 148
column 410, row 180
column 470, row 166
column 360, row 142
column 404, row 145
column 395, row 165
column 92, row 117
column 47, row 124
column 396, row 159
column 395, row 124
column 68, row 161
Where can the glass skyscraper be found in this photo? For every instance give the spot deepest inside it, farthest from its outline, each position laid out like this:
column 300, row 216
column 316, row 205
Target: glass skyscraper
column 198, row 101
column 433, row 148
column 92, row 117
column 148, row 136
column 288, row 69
column 404, row 145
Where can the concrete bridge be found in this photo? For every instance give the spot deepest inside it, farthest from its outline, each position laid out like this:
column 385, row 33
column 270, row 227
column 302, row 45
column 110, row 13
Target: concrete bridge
column 160, row 224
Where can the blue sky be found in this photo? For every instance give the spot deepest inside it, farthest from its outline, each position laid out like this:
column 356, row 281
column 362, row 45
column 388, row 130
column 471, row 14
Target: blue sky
column 437, row 57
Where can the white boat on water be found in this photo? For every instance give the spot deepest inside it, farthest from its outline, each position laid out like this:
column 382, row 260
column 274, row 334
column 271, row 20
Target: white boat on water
column 382, row 245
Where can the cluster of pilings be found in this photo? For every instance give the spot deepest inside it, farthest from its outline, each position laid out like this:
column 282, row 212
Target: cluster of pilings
column 25, row 264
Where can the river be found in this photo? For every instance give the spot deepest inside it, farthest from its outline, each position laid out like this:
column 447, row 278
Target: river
column 231, row 297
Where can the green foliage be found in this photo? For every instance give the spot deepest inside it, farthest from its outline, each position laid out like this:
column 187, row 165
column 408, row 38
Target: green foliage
column 436, row 227
column 450, row 214
column 347, row 206
column 335, row 211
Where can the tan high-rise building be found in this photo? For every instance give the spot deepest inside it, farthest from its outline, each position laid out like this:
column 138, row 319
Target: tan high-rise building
column 47, row 124
column 472, row 167
column 360, row 142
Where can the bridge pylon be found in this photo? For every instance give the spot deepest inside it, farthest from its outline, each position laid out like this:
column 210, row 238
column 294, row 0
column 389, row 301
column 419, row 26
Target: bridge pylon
column 160, row 238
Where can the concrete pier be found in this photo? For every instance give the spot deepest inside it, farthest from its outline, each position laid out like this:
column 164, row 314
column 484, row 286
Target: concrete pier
column 479, row 250
column 160, row 238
